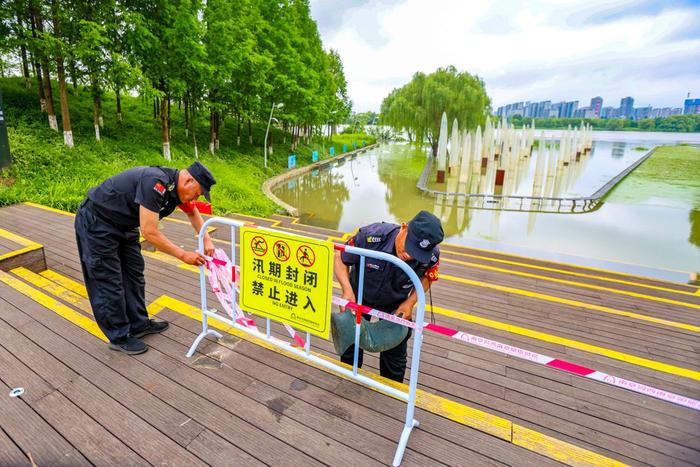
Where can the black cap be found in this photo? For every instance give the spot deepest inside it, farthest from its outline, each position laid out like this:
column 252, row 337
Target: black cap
column 203, row 176
column 424, row 234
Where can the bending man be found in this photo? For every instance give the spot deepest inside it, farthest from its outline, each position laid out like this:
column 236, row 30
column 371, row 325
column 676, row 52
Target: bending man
column 107, row 230
column 386, row 287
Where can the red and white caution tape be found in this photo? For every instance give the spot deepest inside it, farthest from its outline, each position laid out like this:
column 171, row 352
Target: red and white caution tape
column 535, row 357
column 221, row 276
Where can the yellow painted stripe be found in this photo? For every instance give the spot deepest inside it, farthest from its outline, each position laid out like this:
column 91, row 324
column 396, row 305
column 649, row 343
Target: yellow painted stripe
column 563, row 263
column 567, row 272
column 614, row 354
column 460, row 413
column 54, row 289
column 72, row 214
column 46, row 208
column 160, row 256
column 474, row 418
column 21, row 251
column 634, row 360
column 65, row 282
column 559, row 450
column 54, row 305
column 574, row 283
column 16, row 238
column 576, row 303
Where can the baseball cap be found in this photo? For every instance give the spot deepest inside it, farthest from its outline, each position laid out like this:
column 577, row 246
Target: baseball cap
column 203, row 176
column 424, row 234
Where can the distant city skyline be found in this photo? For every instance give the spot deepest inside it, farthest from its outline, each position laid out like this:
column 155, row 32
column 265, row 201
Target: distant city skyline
column 607, row 101
column 538, row 50
column 597, row 109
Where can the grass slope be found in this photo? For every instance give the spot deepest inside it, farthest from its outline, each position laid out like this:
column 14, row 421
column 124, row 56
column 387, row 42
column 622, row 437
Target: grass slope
column 44, row 171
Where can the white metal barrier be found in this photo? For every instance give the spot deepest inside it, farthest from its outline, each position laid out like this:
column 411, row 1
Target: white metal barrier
column 409, row 396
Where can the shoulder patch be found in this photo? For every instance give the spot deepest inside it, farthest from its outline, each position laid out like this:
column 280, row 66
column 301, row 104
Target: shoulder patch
column 375, row 238
column 159, row 188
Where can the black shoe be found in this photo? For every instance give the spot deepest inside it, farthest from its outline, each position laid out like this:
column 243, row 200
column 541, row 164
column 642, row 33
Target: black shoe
column 152, row 327
column 129, row 345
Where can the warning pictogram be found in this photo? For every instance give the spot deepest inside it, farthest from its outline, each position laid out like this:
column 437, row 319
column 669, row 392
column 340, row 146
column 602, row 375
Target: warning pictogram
column 281, row 250
column 259, row 246
column 306, row 256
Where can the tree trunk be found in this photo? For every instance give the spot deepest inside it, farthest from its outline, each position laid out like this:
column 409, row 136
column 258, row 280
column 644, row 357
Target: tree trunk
column 65, row 112
column 73, row 75
column 95, row 106
column 40, row 85
column 212, row 131
column 48, row 94
column 238, row 130
column 187, row 117
column 194, row 132
column 217, row 122
column 23, row 50
column 170, row 122
column 250, row 132
column 119, row 104
column 165, row 119
column 155, row 108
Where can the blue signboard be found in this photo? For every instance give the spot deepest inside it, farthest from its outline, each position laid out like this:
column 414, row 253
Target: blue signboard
column 354, row 144
column 314, row 156
column 345, row 148
column 291, row 161
column 332, row 151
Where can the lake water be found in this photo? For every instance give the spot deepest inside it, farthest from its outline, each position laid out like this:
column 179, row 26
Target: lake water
column 647, row 234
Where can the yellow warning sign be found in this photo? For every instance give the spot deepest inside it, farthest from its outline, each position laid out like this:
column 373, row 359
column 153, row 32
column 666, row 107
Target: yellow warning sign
column 287, row 278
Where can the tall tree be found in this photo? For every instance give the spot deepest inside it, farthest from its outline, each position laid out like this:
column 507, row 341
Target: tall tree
column 60, row 72
column 43, row 50
column 417, row 107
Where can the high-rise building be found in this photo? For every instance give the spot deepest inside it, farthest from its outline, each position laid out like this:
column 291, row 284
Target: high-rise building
column 605, row 112
column 596, row 104
column 642, row 112
column 569, row 109
column 627, row 107
column 691, row 106
column 555, row 109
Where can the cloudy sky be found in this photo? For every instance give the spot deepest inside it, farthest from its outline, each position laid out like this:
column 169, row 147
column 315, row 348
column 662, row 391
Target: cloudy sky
column 535, row 50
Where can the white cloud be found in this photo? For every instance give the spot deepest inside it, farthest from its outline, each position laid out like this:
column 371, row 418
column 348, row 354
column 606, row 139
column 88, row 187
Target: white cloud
column 524, row 51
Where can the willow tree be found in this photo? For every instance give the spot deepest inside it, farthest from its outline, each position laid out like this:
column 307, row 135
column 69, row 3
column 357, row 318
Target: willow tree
column 417, row 107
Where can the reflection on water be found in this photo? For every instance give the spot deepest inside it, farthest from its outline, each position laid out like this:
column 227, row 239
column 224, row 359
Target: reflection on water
column 381, row 185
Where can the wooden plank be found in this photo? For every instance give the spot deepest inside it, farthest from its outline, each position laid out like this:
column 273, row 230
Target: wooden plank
column 134, row 432
column 10, row 453
column 236, row 430
column 676, row 345
column 253, row 361
column 34, row 435
column 93, row 441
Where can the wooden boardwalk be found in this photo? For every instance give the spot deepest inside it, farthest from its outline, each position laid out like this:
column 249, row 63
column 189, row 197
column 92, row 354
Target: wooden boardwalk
column 240, row 403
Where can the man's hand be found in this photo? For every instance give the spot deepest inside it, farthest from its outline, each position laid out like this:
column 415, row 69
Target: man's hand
column 192, row 257
column 405, row 311
column 208, row 246
column 349, row 296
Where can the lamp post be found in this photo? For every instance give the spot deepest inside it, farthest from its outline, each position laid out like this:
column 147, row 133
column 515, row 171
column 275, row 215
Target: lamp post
column 279, row 106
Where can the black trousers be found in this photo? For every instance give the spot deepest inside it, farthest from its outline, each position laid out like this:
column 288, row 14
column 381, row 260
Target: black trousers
column 392, row 362
column 113, row 268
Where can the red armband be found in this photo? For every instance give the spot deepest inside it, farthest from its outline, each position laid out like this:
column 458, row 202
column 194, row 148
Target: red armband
column 187, row 207
column 432, row 273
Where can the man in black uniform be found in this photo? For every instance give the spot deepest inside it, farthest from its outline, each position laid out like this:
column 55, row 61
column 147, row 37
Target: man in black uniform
column 107, row 230
column 386, row 287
